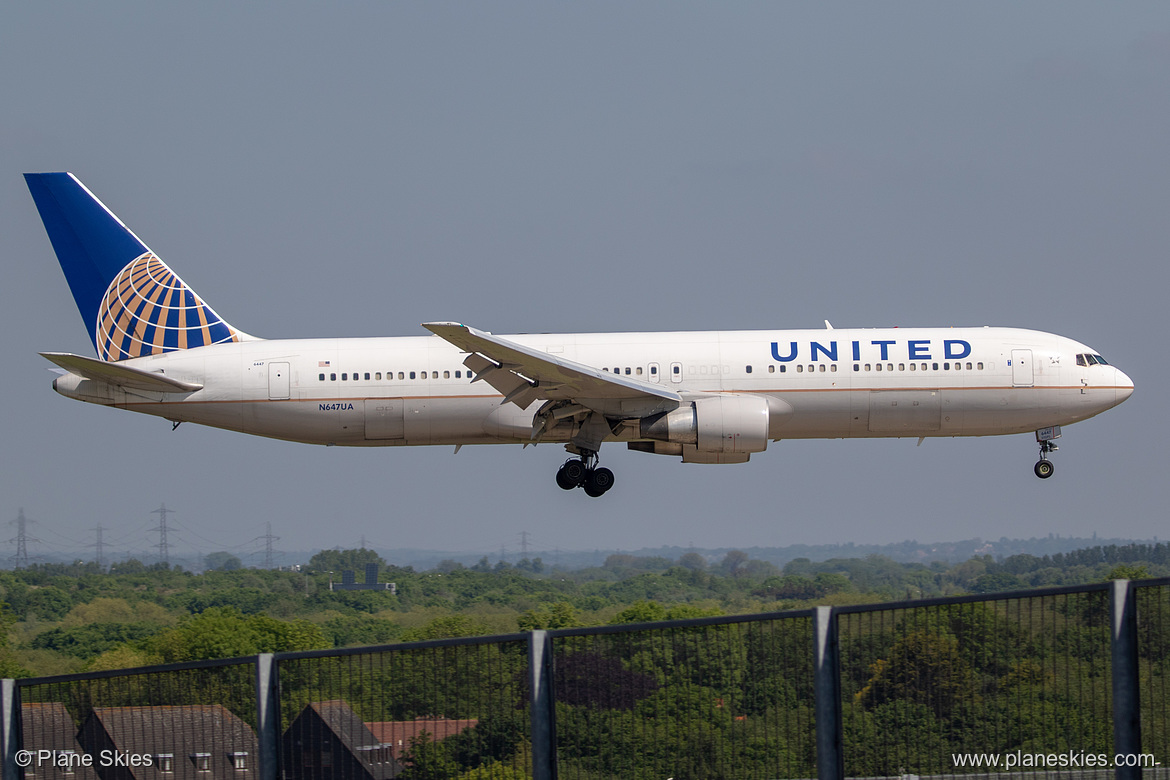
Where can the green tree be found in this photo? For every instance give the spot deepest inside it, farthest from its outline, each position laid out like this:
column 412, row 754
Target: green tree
column 342, row 560
column 222, row 561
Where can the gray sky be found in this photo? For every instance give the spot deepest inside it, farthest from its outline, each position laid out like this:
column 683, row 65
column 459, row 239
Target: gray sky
column 354, row 170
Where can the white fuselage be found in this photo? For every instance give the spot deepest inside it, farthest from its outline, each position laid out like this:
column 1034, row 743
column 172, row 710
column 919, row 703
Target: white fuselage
column 817, row 383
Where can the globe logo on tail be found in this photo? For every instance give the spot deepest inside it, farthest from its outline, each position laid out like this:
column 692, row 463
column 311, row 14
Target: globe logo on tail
column 148, row 310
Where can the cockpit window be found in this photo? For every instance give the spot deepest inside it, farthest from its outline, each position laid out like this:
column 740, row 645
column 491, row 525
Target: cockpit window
column 1091, row 360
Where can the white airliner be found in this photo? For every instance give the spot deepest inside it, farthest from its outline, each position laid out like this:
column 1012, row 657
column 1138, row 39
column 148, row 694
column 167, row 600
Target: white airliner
column 705, row 396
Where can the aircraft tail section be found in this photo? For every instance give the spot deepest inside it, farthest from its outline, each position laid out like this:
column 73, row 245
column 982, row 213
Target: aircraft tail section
column 132, row 303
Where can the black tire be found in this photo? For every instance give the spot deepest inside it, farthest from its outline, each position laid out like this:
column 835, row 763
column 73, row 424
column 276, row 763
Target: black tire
column 564, row 482
column 593, row 492
column 600, row 480
column 1044, row 469
column 575, row 472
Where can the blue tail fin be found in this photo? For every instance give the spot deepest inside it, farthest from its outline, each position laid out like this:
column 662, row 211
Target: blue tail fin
column 132, row 303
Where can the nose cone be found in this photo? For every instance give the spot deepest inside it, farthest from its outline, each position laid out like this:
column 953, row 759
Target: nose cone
column 1123, row 385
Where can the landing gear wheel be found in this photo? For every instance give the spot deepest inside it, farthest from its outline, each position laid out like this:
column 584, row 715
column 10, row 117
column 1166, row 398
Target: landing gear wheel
column 599, row 481
column 1044, row 469
column 571, row 475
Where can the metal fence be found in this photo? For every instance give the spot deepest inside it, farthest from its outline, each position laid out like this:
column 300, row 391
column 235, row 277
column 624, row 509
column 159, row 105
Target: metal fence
column 939, row 687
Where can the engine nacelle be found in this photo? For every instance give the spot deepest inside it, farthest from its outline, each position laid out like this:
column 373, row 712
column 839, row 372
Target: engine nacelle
column 727, row 422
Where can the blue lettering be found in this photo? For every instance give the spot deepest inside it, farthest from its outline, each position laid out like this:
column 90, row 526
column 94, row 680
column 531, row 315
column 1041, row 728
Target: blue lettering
column 335, row 407
column 918, row 350
column 830, row 351
column 885, row 345
column 953, row 352
column 791, row 354
column 857, row 350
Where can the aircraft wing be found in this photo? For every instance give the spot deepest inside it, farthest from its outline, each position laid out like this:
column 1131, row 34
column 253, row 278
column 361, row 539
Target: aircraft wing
column 524, row 374
column 119, row 374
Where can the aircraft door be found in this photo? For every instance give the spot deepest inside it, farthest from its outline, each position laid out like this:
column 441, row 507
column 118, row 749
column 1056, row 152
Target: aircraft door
column 1022, row 368
column 278, row 384
column 384, row 418
column 655, row 376
column 676, row 372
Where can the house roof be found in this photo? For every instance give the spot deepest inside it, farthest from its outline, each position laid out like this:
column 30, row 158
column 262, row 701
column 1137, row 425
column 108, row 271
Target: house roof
column 399, row 733
column 49, row 726
column 180, row 730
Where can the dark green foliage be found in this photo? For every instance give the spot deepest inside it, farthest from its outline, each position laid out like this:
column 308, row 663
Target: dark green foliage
column 93, row 639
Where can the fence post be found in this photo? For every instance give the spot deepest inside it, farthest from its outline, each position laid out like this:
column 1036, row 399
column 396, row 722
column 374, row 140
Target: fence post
column 267, row 717
column 544, row 749
column 827, row 696
column 1127, row 730
column 9, row 721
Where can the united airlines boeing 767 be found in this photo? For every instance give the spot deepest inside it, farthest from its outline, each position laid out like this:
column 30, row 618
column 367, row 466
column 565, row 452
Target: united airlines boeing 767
column 704, row 397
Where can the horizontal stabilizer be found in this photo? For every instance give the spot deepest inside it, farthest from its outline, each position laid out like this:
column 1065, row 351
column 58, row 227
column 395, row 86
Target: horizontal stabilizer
column 119, row 375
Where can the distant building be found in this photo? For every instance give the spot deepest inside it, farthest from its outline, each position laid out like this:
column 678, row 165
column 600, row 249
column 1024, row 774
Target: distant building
column 348, row 581
column 328, row 740
column 183, row 742
column 398, row 733
column 49, row 726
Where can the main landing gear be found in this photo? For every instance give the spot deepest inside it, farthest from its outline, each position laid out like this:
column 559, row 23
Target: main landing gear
column 585, row 473
column 1047, row 438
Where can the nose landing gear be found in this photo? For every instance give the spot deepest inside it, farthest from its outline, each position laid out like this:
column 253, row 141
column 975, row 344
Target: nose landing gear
column 1046, row 437
column 585, row 473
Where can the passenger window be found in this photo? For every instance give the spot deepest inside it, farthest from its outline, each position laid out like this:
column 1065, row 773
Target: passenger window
column 968, row 366
column 879, row 366
column 344, row 377
column 946, row 366
column 822, row 368
column 458, row 375
column 446, row 374
column 617, row 370
column 889, row 366
column 783, row 369
column 867, row 367
column 923, row 366
column 833, row 368
column 856, row 366
column 771, row 369
column 638, row 371
column 627, row 370
column 401, row 375
column 412, row 375
column 367, row 376
column 748, row 369
column 935, row 366
column 377, row 375
column 980, row 365
column 653, row 370
column 320, row 377
column 901, row 366
column 333, row 377
column 913, row 366
column 799, row 369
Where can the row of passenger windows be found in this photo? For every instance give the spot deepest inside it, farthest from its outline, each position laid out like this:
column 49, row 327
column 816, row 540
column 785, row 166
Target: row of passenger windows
column 376, row 376
column 800, row 368
column 832, row 367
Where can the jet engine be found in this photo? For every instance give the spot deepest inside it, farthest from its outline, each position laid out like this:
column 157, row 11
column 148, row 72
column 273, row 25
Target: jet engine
column 722, row 423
